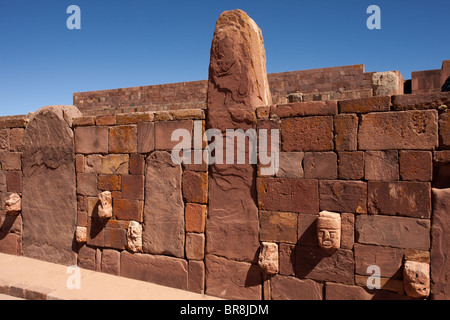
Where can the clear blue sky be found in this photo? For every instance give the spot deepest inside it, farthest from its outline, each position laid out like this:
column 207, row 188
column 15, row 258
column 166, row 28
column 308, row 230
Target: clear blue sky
column 136, row 42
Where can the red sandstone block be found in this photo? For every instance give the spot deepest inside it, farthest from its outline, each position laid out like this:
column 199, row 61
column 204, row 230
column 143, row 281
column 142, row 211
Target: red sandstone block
column 347, row 230
column 301, row 109
column 320, row 165
column 278, row 226
column 381, row 165
column 109, row 182
column 420, row 101
column 195, row 217
column 195, row 246
column 95, row 232
column 15, row 139
column 195, row 187
column 87, row 257
column 343, row 196
column 398, row 130
column 164, row 130
column 79, row 163
column 133, row 187
column 403, row 198
column 4, row 139
column 11, row 243
column 82, row 218
column 339, row 291
column 288, row 195
column 128, row 209
column 346, row 132
column 87, row 184
column 196, row 279
column 107, row 120
column 390, row 260
column 286, row 258
column 91, row 140
column 307, row 134
column 123, row 139
column 14, row 181
column 444, row 130
column 307, row 229
column 115, row 238
column 134, row 117
column 11, row 161
column 416, row 165
column 84, row 121
column 137, row 163
column 398, row 232
column 146, row 137
column 291, row 288
column 110, row 261
column 351, row 165
column 364, row 105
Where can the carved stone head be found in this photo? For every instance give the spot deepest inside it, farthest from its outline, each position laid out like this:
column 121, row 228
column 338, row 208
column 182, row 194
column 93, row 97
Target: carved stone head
column 268, row 257
column 13, row 204
column 105, row 206
column 329, row 230
column 416, row 279
column 134, row 236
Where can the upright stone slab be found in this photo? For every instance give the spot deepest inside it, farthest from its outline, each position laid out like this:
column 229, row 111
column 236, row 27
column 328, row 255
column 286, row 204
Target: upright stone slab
column 237, row 85
column 163, row 227
column 49, row 204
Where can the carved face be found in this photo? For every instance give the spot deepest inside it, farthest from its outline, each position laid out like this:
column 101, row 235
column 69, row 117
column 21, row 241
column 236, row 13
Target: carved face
column 416, row 279
column 329, row 230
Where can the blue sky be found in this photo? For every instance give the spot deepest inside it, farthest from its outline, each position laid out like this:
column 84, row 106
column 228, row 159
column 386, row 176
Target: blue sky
column 136, row 42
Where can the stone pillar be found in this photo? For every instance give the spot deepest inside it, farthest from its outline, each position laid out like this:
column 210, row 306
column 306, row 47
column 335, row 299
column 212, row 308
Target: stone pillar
column 49, row 201
column 237, row 85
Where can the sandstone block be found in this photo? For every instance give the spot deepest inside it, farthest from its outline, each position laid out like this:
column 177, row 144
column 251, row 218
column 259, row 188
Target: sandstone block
column 307, row 134
column 390, row 260
column 381, row 165
column 278, row 226
column 92, row 163
column 403, row 198
column 109, row 182
column 287, row 259
column 351, row 165
column 444, row 130
column 290, row 288
column 146, row 137
column 195, row 187
column 302, row 109
column 133, row 187
column 231, row 279
column 289, row 195
column 307, row 229
column 346, row 132
column 123, row 139
column 343, row 196
column 196, row 280
column 163, row 227
column 320, row 165
column 115, row 238
column 420, row 101
column 15, row 139
column 10, row 161
column 11, row 243
column 388, row 130
column 164, row 130
column 318, row 264
column 137, row 164
column 14, row 181
column 91, row 140
column 87, row 258
column 110, row 261
column 163, row 270
column 195, row 217
column 4, row 139
column 347, row 230
column 115, row 164
column 416, row 165
column 128, row 209
column 398, row 232
column 365, row 105
column 106, row 120
column 290, row 165
column 195, row 246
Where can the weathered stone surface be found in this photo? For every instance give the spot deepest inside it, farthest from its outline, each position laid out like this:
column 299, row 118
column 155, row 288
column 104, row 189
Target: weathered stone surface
column 237, row 72
column 351, row 165
column 128, row 209
column 230, row 279
column 416, row 165
column 232, row 226
column 320, row 165
column 109, row 182
column 387, row 83
column 290, row 165
column 307, row 229
column 4, row 139
column 440, row 242
column 290, row 288
column 10, row 243
column 123, row 139
column 164, row 130
column 343, row 196
column 398, row 130
column 134, row 236
column 87, row 184
column 444, row 130
column 416, row 279
column 399, row 232
column 91, row 140
column 420, row 101
column 133, row 187
column 146, row 137
column 49, row 199
column 15, row 139
column 346, row 132
column 163, row 270
column 390, row 260
column 339, row 291
column 195, row 246
column 278, row 226
column 364, row 105
column 81, row 234
column 403, row 198
column 290, row 195
column 381, row 165
column 347, row 230
column 302, row 109
column 10, row 160
column 318, row 264
column 163, row 227
column 268, row 257
column 195, row 187
column 115, row 164
column 307, row 134
column 137, row 164
column 110, row 261
column 196, row 280
column 287, row 259
column 86, row 258
column 195, row 217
